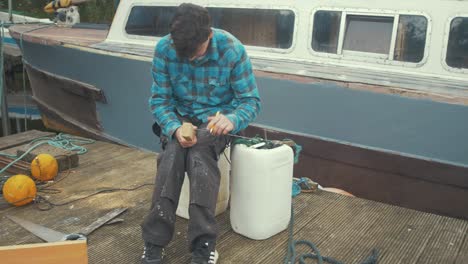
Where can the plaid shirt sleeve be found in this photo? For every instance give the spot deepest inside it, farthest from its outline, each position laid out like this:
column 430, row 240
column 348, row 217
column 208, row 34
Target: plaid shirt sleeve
column 246, row 95
column 161, row 101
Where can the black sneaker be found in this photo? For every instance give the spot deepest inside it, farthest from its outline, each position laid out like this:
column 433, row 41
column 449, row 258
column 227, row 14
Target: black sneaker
column 205, row 253
column 152, row 254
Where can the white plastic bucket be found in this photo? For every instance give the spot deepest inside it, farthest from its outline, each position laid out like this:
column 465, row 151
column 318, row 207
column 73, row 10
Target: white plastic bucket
column 223, row 194
column 261, row 189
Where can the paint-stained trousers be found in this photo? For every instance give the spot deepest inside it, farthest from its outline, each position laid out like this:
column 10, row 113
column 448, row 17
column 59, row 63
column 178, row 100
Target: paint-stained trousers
column 201, row 164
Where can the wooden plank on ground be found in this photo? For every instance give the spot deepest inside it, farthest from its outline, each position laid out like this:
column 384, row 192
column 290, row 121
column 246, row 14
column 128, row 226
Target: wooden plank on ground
column 324, row 216
column 66, row 159
column 462, row 256
column 70, row 252
column 342, row 227
column 22, row 138
column 3, row 203
column 445, row 242
column 390, row 226
column 341, row 241
column 235, row 248
column 20, row 167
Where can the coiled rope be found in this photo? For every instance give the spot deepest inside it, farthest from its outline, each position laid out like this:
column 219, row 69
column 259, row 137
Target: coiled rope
column 62, row 141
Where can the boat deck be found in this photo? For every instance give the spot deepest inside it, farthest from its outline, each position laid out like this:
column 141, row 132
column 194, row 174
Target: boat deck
column 342, row 227
column 49, row 34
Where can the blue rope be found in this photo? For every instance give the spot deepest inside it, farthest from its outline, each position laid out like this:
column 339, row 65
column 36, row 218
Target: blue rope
column 67, row 142
column 18, row 158
column 62, row 141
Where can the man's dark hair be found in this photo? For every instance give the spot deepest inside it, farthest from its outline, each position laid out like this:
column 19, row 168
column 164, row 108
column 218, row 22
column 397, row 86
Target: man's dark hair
column 190, row 27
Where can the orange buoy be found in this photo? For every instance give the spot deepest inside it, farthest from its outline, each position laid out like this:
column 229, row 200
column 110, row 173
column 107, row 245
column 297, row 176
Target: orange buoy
column 19, row 190
column 44, row 167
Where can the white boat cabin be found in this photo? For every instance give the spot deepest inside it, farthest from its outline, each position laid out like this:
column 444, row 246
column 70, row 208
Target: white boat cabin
column 397, row 43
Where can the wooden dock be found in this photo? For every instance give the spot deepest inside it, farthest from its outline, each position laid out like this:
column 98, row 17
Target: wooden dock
column 342, row 227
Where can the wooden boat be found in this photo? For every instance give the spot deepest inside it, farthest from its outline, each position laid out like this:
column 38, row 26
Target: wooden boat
column 375, row 92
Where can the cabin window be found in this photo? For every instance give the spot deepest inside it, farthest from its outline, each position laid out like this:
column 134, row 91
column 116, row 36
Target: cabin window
column 370, row 36
column 457, row 48
column 272, row 28
column 411, row 38
column 326, row 31
column 150, row 20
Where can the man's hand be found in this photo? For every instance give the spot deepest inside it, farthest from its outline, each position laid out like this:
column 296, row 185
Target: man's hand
column 219, row 125
column 182, row 141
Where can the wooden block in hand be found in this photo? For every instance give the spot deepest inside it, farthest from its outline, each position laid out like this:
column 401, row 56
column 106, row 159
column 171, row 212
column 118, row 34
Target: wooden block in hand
column 187, row 131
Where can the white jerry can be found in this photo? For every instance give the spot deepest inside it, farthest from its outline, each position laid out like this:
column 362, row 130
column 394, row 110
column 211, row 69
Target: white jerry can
column 223, row 194
column 261, row 189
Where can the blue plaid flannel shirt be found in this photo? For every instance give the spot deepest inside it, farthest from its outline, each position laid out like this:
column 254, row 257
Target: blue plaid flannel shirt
column 222, row 80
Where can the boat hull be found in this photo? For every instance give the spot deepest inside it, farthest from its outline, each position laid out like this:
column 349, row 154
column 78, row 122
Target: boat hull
column 379, row 175
column 390, row 148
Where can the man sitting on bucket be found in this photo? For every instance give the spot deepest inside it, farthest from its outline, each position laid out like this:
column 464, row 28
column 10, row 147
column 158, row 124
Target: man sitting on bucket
column 202, row 75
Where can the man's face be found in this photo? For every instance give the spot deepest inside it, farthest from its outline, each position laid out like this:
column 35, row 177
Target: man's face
column 201, row 51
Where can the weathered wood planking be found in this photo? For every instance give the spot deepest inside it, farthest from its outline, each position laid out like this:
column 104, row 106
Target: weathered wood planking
column 53, row 35
column 66, row 159
column 70, row 252
column 22, row 138
column 342, row 227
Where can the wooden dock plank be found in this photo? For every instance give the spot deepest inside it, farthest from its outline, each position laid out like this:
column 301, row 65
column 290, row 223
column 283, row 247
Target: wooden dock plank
column 100, row 157
column 342, row 227
column 411, row 242
column 236, row 248
column 120, row 171
column 341, row 243
column 70, row 252
column 100, row 151
column 66, row 159
column 462, row 255
column 72, row 217
column 382, row 235
column 445, row 242
column 250, row 250
column 22, row 138
column 324, row 225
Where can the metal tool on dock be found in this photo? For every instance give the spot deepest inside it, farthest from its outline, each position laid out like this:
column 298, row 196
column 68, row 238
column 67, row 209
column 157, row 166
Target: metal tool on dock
column 50, row 235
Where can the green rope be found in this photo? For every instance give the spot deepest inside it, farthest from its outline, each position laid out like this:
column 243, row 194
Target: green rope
column 62, row 141
column 253, row 141
column 268, row 144
column 67, row 142
column 291, row 257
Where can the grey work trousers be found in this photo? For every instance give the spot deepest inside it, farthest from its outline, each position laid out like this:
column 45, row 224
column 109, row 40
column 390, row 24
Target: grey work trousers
column 201, row 164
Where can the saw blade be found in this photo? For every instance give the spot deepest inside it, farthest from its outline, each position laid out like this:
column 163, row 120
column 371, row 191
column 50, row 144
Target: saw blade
column 44, row 233
column 101, row 221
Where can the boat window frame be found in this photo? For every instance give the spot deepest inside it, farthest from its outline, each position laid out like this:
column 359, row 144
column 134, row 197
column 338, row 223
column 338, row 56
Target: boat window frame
column 248, row 47
column 445, row 44
column 369, row 57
